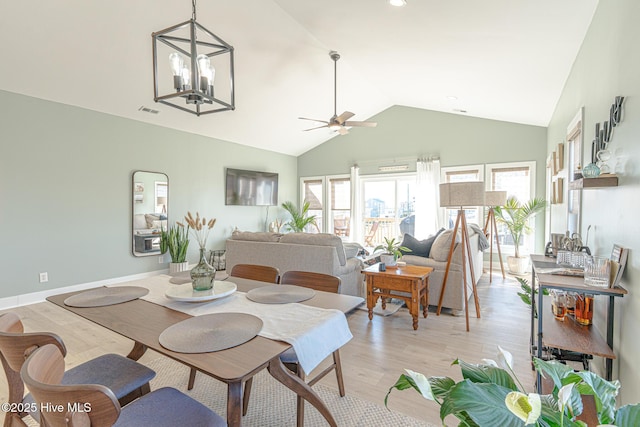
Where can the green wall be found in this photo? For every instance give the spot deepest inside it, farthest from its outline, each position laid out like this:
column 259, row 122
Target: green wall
column 404, row 132
column 65, row 190
column 609, row 65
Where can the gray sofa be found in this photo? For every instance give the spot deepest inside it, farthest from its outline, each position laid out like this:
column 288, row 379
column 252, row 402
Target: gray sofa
column 454, row 293
column 320, row 253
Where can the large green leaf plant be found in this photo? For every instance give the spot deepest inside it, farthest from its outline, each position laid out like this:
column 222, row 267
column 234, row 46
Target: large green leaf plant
column 490, row 395
column 300, row 219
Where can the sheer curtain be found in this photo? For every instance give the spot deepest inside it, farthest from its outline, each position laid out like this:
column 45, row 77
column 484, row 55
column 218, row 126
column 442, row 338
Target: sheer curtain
column 428, row 213
column 356, row 213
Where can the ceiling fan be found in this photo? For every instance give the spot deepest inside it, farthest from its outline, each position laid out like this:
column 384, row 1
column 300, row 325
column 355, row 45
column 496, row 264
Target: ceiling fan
column 338, row 123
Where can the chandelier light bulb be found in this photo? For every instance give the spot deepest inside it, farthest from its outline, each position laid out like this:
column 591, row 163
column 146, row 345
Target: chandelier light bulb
column 186, row 77
column 177, row 63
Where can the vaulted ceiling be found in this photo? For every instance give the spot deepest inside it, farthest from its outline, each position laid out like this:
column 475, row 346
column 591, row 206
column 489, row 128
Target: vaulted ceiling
column 497, row 59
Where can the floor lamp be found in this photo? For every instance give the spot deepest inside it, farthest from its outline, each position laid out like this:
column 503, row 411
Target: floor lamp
column 458, row 195
column 492, row 199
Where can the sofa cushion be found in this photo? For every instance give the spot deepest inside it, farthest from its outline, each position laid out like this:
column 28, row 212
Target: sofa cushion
column 419, row 247
column 256, row 236
column 442, row 244
column 319, row 239
column 352, row 249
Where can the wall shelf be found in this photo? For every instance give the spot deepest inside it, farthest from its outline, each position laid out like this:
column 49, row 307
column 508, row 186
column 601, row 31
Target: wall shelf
column 597, row 182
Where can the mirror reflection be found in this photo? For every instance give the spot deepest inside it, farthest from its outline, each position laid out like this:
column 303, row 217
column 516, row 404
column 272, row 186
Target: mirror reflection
column 150, row 192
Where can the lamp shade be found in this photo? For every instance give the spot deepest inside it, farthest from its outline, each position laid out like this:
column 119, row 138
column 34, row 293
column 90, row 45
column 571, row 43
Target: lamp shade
column 495, row 198
column 458, row 194
column 162, row 200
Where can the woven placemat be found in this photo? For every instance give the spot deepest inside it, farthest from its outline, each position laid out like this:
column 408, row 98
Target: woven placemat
column 106, row 296
column 280, row 294
column 210, row 332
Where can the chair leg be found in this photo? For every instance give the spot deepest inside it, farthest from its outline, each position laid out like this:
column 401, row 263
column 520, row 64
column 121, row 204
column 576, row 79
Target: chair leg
column 300, row 401
column 338, row 368
column 246, row 395
column 192, row 378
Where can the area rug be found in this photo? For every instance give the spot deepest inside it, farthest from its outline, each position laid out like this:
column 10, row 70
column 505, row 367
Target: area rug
column 392, row 307
column 273, row 405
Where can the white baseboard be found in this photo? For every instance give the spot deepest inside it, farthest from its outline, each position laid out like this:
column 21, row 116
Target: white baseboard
column 36, row 297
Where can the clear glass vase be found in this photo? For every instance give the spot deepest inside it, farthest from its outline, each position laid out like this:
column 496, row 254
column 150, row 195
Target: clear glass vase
column 203, row 274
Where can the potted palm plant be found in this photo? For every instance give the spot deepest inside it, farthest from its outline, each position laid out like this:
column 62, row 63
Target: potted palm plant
column 175, row 240
column 392, row 251
column 299, row 219
column 516, row 217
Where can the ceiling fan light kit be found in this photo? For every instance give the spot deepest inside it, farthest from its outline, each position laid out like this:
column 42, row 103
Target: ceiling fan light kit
column 338, row 123
column 196, row 56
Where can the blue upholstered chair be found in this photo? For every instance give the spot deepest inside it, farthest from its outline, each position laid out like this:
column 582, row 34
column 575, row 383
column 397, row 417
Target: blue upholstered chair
column 126, row 378
column 96, row 405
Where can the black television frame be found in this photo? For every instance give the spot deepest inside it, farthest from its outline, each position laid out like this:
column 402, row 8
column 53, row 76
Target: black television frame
column 231, row 185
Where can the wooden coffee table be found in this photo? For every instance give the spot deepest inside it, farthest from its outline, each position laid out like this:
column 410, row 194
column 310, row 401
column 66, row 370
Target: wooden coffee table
column 409, row 283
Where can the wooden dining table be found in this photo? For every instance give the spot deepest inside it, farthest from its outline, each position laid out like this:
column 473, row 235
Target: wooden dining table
column 143, row 322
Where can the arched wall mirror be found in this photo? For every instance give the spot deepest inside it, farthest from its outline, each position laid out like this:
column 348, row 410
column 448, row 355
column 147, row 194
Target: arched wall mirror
column 150, row 200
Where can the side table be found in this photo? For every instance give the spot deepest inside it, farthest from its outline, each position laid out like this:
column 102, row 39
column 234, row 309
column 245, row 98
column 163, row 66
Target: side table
column 409, row 283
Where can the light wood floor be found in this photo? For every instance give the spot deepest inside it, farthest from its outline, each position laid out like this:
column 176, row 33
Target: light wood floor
column 375, row 358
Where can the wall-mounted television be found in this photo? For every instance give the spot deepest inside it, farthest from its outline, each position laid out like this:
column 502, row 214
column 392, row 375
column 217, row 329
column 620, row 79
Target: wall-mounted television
column 251, row 188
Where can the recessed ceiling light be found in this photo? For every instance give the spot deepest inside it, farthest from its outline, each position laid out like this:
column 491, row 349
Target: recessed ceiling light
column 452, row 98
column 397, row 3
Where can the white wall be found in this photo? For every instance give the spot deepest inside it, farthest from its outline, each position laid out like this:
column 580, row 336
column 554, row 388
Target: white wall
column 609, row 65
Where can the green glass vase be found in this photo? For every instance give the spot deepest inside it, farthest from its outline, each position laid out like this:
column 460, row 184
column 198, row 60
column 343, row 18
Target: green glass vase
column 203, row 274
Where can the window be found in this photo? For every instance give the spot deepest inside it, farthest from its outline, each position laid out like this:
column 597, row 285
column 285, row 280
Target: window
column 389, row 201
column 340, row 205
column 517, row 179
column 312, row 191
column 462, row 174
column 329, row 200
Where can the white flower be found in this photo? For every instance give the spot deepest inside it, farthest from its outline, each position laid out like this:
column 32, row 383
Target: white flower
column 526, row 407
column 564, row 395
column 423, row 384
column 505, row 358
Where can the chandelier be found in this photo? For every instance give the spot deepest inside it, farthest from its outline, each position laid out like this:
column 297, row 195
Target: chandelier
column 194, row 56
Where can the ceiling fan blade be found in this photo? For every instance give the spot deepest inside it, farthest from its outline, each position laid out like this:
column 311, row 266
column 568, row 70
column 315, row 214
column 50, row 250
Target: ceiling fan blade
column 362, row 124
column 319, row 127
column 343, row 130
column 344, row 117
column 314, row 120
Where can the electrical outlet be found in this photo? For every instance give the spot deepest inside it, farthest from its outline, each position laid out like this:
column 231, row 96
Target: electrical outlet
column 44, row 277
column 161, row 259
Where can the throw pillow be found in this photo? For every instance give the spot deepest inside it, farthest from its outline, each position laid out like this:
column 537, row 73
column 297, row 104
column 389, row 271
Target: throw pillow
column 419, row 247
column 150, row 218
column 442, row 244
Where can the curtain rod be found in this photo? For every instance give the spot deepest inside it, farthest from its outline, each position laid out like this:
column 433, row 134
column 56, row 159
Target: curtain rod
column 396, row 160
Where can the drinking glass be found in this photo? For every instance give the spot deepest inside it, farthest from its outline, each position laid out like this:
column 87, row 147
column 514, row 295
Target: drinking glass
column 583, row 311
column 559, row 304
column 596, row 271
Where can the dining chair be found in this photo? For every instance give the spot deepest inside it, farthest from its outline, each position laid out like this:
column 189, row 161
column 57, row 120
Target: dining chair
column 261, row 273
column 127, row 378
column 97, row 405
column 319, row 282
column 368, row 239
